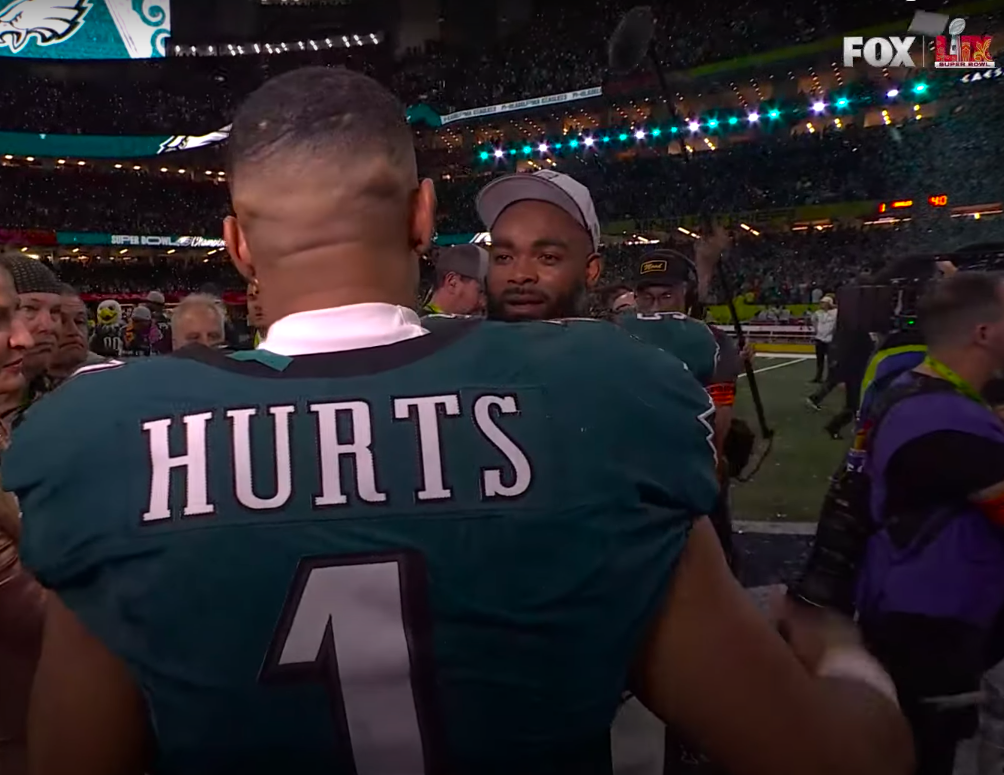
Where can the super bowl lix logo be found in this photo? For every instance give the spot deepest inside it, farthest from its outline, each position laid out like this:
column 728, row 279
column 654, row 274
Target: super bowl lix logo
column 46, row 22
column 958, row 50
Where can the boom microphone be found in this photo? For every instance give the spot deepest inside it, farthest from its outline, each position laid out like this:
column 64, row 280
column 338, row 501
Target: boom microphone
column 631, row 41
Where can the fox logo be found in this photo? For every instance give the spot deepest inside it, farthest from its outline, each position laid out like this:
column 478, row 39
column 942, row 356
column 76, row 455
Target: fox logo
column 47, row 21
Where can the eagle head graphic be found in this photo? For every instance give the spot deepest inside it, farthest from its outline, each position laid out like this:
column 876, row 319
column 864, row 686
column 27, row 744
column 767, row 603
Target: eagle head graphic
column 48, row 21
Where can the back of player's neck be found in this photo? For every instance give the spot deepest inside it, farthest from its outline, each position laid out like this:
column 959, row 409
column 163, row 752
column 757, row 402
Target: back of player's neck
column 337, row 277
column 335, row 299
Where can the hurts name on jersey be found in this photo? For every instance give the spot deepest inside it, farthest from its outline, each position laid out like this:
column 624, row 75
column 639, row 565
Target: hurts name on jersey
column 337, row 456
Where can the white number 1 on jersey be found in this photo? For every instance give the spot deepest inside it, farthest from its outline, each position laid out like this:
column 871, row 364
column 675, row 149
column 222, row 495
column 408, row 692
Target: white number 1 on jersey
column 360, row 626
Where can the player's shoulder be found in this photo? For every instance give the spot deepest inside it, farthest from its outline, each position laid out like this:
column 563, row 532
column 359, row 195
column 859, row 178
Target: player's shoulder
column 639, row 321
column 441, row 320
column 109, row 389
column 584, row 351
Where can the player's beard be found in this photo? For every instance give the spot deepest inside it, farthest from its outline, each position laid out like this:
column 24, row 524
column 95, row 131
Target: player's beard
column 567, row 305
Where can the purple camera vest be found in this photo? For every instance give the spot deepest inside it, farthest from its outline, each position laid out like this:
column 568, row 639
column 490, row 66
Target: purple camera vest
column 959, row 572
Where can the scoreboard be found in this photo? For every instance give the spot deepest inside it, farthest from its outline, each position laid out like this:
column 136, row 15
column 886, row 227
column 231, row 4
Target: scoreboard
column 935, row 200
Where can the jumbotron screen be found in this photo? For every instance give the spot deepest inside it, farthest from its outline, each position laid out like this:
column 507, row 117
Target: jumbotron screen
column 84, row 29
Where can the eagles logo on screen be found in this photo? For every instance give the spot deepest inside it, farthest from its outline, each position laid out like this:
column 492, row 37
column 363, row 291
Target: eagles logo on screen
column 47, row 21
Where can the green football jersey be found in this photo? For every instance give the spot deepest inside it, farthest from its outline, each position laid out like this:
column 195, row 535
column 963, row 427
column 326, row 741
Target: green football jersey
column 688, row 339
column 435, row 556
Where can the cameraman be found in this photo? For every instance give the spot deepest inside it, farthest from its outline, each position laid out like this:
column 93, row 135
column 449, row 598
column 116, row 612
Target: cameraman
column 931, row 586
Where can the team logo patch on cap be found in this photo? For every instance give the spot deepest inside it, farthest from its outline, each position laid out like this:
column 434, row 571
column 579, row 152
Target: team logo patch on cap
column 654, row 266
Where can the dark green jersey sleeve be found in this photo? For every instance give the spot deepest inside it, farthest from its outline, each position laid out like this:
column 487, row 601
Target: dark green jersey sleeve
column 688, row 339
column 62, row 465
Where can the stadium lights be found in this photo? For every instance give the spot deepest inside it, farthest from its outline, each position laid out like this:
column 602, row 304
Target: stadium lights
column 163, row 169
column 24, row 250
column 8, row 157
column 181, row 171
column 29, row 158
column 118, row 166
column 170, row 252
column 60, row 161
column 892, row 93
column 123, row 251
column 499, row 153
column 81, row 163
column 136, row 168
column 818, row 110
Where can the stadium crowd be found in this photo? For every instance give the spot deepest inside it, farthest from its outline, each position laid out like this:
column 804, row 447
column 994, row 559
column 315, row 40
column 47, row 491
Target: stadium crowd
column 195, row 97
column 781, row 170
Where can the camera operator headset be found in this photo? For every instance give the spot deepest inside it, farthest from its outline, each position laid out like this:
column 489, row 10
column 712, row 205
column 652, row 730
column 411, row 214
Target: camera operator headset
column 929, row 512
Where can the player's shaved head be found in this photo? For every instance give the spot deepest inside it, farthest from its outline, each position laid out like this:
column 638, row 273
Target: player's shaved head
column 321, row 167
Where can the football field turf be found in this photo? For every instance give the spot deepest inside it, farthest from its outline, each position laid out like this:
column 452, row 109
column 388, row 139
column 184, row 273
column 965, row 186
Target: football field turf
column 792, row 481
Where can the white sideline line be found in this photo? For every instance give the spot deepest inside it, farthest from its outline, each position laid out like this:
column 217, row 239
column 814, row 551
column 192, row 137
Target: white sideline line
column 774, row 528
column 791, row 362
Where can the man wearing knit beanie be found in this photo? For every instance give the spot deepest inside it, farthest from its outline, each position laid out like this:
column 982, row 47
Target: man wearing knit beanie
column 39, row 292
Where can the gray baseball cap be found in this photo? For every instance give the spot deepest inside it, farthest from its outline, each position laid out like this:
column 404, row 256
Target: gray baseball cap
column 469, row 261
column 549, row 186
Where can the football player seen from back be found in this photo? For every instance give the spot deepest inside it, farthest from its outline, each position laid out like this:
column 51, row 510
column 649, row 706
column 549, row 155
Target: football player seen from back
column 372, row 548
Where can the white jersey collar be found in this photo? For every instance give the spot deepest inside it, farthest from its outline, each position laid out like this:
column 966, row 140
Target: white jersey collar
column 352, row 327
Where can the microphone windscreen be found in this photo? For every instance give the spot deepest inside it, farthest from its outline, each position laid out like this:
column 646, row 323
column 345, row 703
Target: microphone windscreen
column 630, row 42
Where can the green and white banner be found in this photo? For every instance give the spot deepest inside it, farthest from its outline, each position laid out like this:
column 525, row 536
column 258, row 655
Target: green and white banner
column 527, row 104
column 137, row 240
column 84, row 29
column 132, row 147
column 102, row 146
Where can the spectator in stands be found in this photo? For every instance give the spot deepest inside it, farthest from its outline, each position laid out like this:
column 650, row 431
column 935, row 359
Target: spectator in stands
column 198, row 319
column 155, row 302
column 40, row 309
column 459, row 283
column 257, row 325
column 71, row 347
column 824, row 323
column 621, row 300
column 141, row 337
column 231, row 334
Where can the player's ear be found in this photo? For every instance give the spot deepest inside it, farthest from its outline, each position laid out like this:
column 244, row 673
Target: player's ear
column 237, row 247
column 594, row 268
column 423, row 217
